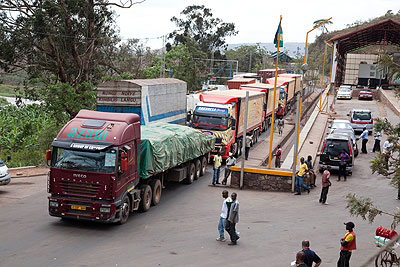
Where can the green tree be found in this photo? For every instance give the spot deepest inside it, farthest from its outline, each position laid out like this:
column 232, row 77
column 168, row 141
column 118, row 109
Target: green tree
column 393, row 63
column 198, row 24
column 323, row 27
column 250, row 57
column 59, row 42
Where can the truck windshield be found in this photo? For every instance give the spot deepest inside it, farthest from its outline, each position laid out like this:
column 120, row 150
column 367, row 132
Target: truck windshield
column 210, row 122
column 90, row 161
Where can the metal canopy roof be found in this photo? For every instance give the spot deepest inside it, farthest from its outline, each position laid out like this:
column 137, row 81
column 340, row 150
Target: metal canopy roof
column 385, row 32
column 382, row 33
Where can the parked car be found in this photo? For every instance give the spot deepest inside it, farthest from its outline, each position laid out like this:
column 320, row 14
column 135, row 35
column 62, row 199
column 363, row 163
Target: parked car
column 331, row 149
column 351, row 134
column 5, row 177
column 340, row 124
column 365, row 94
column 360, row 118
column 344, row 93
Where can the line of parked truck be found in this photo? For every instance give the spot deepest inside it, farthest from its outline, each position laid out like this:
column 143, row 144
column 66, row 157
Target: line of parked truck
column 107, row 163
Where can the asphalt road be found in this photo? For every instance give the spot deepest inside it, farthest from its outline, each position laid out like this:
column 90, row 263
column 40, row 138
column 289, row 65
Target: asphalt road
column 181, row 230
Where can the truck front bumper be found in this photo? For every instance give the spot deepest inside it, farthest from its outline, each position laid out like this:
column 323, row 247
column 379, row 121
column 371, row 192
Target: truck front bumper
column 83, row 210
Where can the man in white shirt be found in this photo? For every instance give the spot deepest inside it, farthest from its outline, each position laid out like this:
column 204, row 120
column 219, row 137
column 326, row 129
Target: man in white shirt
column 386, row 151
column 224, row 215
column 230, row 161
column 364, row 139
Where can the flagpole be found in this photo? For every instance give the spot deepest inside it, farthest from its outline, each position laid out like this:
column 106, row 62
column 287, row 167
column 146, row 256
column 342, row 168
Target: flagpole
column 271, row 135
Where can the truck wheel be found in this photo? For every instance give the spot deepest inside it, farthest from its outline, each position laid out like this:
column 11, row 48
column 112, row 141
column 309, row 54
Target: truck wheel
column 191, row 174
column 125, row 210
column 203, row 165
column 157, row 190
column 197, row 165
column 257, row 133
column 146, row 196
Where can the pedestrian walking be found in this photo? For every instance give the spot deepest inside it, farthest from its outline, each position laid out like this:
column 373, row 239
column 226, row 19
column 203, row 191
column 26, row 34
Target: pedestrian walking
column 300, row 256
column 310, row 256
column 224, row 214
column 344, row 158
column 281, row 125
column 299, row 179
column 230, row 161
column 217, row 168
column 278, row 155
column 249, row 138
column 326, row 183
column 311, row 173
column 377, row 144
column 233, row 219
column 387, row 153
column 364, row 140
column 348, row 244
column 280, row 111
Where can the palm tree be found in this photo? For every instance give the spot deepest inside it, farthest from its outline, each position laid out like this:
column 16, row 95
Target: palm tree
column 323, row 26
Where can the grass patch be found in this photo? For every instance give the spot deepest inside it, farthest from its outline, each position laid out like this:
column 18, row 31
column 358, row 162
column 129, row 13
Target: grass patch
column 8, row 90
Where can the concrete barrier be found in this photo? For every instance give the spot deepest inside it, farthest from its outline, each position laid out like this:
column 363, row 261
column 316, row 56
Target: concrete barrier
column 263, row 179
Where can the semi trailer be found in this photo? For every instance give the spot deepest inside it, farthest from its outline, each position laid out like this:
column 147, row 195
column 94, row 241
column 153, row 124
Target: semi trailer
column 105, row 165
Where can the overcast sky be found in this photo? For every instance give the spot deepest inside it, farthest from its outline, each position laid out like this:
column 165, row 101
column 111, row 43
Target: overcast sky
column 256, row 20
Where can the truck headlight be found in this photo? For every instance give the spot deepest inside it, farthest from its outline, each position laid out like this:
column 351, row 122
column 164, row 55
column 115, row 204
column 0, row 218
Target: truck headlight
column 53, row 204
column 105, row 210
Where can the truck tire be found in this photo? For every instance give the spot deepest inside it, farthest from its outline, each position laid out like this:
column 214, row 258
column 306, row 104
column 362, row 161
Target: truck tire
column 146, row 197
column 197, row 165
column 125, row 210
column 157, row 190
column 203, row 165
column 191, row 173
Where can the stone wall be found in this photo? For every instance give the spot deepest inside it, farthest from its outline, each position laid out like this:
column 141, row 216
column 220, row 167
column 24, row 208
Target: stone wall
column 260, row 181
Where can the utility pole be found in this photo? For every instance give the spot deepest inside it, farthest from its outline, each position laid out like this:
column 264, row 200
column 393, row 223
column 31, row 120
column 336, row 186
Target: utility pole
column 250, row 62
column 244, row 139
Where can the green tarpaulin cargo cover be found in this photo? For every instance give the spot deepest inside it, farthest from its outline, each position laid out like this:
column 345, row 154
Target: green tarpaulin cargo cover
column 164, row 146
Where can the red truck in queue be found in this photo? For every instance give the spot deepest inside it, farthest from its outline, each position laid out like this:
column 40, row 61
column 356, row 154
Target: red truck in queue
column 268, row 90
column 289, row 87
column 105, row 165
column 221, row 114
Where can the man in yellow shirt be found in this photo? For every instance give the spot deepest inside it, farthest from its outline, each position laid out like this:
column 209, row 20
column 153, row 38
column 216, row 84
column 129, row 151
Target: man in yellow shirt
column 217, row 167
column 300, row 176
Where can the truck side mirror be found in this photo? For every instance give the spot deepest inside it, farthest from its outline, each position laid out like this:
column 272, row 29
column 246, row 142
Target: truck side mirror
column 189, row 116
column 233, row 124
column 124, row 164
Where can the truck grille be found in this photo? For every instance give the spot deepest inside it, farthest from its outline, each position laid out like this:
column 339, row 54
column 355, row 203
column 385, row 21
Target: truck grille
column 88, row 190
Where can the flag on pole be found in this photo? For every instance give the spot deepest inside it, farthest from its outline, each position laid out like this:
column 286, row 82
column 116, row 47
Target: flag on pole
column 278, row 32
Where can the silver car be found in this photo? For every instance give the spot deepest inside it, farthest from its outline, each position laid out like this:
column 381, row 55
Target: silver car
column 5, row 177
column 340, row 124
column 361, row 118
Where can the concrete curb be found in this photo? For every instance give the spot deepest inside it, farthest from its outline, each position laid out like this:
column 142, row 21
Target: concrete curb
column 383, row 97
column 304, row 133
column 28, row 176
column 22, row 168
column 289, row 135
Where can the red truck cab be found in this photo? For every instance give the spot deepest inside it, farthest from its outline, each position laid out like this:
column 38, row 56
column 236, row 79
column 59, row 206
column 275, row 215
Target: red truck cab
column 93, row 165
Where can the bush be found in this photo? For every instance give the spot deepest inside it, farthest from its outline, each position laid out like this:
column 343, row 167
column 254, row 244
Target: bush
column 25, row 134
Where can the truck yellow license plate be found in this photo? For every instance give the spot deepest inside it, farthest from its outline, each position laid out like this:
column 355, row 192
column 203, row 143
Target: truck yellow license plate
column 74, row 207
